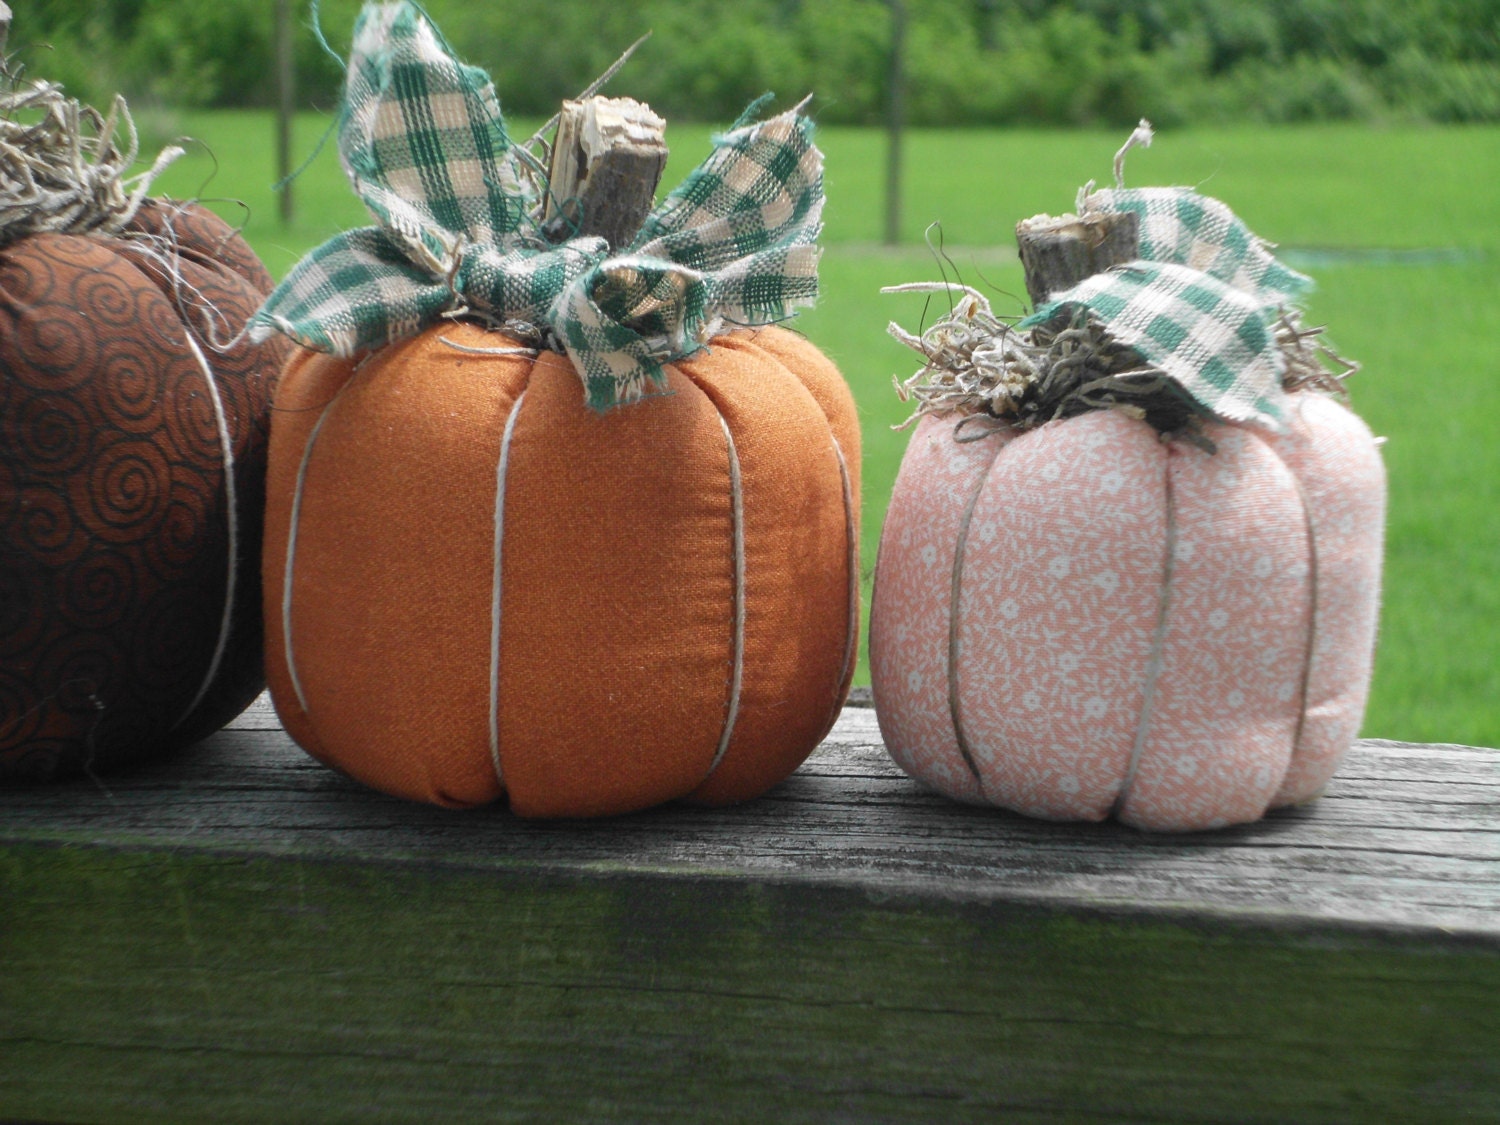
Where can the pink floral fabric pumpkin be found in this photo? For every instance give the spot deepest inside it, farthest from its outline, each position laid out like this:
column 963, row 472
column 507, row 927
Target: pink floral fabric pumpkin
column 1080, row 612
column 1083, row 620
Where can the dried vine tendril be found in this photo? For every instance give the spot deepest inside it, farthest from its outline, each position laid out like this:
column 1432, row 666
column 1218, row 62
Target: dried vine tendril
column 64, row 165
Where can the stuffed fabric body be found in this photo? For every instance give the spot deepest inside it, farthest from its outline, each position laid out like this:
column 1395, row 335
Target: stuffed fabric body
column 1083, row 620
column 476, row 585
column 122, row 631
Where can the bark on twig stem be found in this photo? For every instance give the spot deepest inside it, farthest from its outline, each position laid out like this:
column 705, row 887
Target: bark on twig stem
column 606, row 162
column 1058, row 253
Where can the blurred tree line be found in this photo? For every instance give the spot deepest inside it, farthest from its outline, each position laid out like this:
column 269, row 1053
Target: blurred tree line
column 968, row 62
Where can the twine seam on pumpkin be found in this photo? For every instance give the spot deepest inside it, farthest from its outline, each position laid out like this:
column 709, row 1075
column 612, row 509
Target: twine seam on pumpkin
column 850, row 537
column 226, row 447
column 289, row 572
column 502, row 469
column 1312, row 621
column 737, row 516
column 851, row 636
column 954, row 710
column 1155, row 658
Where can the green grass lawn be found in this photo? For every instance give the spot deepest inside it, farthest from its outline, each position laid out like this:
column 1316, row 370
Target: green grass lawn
column 1423, row 325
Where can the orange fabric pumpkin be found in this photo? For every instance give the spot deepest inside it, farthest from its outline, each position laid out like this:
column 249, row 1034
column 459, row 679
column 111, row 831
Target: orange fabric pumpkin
column 475, row 585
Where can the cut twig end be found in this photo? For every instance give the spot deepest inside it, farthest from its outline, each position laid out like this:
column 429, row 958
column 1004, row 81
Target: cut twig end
column 607, row 159
column 1057, row 253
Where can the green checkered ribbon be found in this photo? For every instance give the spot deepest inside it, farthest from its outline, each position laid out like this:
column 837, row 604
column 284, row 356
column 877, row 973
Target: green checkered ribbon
column 1199, row 304
column 1188, row 229
column 423, row 142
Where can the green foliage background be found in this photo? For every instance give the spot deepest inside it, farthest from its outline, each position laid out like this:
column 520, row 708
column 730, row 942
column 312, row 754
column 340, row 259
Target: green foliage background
column 969, row 62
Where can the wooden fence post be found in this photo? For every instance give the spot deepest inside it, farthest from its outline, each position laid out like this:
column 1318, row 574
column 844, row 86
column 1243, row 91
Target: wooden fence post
column 286, row 78
column 895, row 122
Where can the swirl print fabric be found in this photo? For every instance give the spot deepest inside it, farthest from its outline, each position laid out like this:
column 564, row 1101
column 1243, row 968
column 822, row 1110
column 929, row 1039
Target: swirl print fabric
column 113, row 500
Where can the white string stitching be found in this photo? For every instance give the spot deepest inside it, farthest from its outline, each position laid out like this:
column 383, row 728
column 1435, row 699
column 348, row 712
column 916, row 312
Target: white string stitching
column 1158, row 645
column 1312, row 622
column 226, row 447
column 953, row 623
column 737, row 509
column 291, row 555
column 850, row 533
column 502, row 469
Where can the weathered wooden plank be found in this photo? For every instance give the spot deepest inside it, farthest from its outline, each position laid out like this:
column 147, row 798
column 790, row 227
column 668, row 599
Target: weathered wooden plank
column 1406, row 836
column 187, row 986
column 213, row 936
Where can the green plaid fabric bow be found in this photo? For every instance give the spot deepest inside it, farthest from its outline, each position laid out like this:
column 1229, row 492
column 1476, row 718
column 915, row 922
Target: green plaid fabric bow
column 423, row 142
column 1199, row 304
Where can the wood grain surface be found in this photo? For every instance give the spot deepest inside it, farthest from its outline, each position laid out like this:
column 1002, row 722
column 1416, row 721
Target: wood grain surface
column 1406, row 837
column 238, row 934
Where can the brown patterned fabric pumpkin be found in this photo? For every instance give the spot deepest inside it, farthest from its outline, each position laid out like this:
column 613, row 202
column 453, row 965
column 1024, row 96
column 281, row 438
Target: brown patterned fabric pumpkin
column 133, row 424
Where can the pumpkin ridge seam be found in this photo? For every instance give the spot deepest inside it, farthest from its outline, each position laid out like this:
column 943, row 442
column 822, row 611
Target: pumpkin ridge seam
column 502, row 467
column 954, row 623
column 289, row 568
column 737, row 555
column 1156, row 657
column 851, row 557
column 1312, row 610
column 231, row 502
